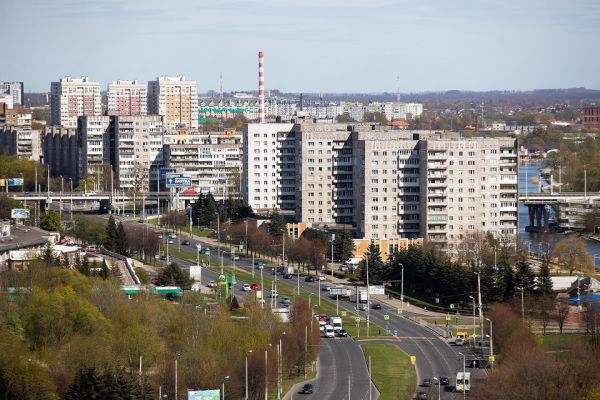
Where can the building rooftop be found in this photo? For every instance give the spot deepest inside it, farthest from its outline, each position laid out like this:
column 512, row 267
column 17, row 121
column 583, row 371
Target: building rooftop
column 22, row 237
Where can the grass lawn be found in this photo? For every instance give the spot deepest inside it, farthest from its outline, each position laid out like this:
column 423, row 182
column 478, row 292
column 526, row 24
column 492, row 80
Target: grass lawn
column 393, row 373
column 557, row 342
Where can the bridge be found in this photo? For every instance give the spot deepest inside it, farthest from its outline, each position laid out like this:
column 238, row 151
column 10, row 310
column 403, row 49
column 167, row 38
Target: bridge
column 539, row 205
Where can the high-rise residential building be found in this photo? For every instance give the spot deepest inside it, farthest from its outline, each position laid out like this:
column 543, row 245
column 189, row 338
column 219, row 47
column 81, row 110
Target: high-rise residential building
column 137, row 155
column 93, row 135
column 71, row 98
column 175, row 99
column 21, row 142
column 127, row 98
column 14, row 89
column 590, row 117
column 386, row 183
column 213, row 160
column 17, row 117
column 61, row 151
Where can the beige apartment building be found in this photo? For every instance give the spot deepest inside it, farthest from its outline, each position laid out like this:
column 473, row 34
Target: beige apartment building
column 387, row 183
column 127, row 98
column 71, row 98
column 21, row 142
column 175, row 99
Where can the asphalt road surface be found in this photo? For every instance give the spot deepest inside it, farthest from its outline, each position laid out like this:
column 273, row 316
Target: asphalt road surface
column 340, row 359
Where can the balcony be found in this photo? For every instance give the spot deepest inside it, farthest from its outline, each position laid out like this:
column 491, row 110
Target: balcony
column 436, row 165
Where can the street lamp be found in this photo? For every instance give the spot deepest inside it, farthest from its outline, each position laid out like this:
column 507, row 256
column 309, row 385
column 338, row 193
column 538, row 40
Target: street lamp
column 439, row 387
column 491, row 342
column 479, row 301
column 223, row 387
column 463, row 377
column 402, row 288
column 176, row 359
column 473, row 301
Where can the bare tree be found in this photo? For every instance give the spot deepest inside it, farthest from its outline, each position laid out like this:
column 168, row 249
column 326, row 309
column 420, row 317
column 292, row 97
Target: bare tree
column 562, row 312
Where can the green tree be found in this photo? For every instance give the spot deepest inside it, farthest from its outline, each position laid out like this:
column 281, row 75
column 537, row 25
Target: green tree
column 525, row 277
column 7, row 203
column 110, row 242
column 343, row 246
column 173, row 275
column 591, row 221
column 121, row 243
column 50, row 221
column 343, row 118
column 205, row 210
column 26, row 380
column 377, row 117
column 48, row 256
column 544, row 283
column 277, row 225
column 375, row 265
column 89, row 230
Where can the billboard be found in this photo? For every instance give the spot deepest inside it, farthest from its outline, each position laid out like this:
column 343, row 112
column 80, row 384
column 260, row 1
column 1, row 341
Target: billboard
column 19, row 213
column 15, row 182
column 377, row 289
column 213, row 394
column 179, row 180
column 195, row 272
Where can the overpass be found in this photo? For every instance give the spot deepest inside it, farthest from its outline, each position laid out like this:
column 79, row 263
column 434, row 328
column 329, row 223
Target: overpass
column 539, row 205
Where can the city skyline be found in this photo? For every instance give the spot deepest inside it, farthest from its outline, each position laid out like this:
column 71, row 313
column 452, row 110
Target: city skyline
column 330, row 47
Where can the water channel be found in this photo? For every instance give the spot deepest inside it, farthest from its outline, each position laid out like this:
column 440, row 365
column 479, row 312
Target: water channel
column 529, row 176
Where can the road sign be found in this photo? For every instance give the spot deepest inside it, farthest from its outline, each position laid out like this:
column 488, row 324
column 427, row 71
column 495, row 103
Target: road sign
column 413, row 360
column 492, row 358
column 357, row 319
column 386, row 317
column 19, row 213
column 221, row 277
column 344, row 313
column 15, row 182
column 178, row 180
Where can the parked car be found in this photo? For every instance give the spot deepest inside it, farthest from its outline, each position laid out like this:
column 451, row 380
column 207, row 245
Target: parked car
column 212, row 284
column 172, row 236
column 170, row 241
column 376, row 306
column 309, row 278
column 444, row 380
column 307, row 389
column 285, row 300
column 205, row 251
column 288, row 276
column 246, row 287
column 321, row 277
column 254, row 286
column 196, row 287
column 422, row 396
column 326, row 288
column 342, row 333
column 235, row 257
column 185, row 243
column 426, row 382
column 362, row 307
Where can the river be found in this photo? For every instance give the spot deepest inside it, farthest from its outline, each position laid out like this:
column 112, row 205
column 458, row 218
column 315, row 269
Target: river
column 539, row 241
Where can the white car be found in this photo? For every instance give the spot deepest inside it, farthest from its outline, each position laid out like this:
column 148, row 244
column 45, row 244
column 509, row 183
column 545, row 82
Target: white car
column 235, row 257
column 321, row 277
column 329, row 331
column 212, row 284
column 362, row 307
column 246, row 287
column 196, row 287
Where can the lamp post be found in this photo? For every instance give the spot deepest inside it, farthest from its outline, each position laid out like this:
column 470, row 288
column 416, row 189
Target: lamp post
column 439, row 387
column 463, row 377
column 402, row 288
column 249, row 351
column 319, row 294
column 223, row 387
column 332, row 239
column 522, row 305
column 176, row 359
column 266, row 375
column 473, row 301
column 491, row 341
column 198, row 247
column 479, row 301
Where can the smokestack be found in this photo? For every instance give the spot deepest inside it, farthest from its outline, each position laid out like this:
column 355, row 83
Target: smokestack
column 261, row 88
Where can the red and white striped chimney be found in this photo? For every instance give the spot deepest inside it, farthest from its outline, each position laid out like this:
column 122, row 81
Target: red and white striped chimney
column 261, row 88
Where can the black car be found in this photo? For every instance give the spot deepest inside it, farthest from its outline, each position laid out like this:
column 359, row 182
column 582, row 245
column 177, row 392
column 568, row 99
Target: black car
column 185, row 243
column 376, row 306
column 307, row 389
column 426, row 382
column 288, row 276
column 309, row 279
column 444, row 380
column 422, row 396
column 342, row 333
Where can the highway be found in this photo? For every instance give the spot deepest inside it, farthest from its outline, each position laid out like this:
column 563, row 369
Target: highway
column 434, row 356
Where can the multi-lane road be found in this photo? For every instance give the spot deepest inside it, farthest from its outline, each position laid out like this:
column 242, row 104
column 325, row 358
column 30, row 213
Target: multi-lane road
column 434, row 356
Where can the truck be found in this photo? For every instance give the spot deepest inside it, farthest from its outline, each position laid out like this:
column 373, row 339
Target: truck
column 336, row 322
column 286, row 270
column 363, row 295
column 340, row 292
column 351, row 264
column 463, row 382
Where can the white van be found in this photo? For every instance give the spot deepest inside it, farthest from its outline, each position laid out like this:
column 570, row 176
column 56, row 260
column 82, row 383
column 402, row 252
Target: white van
column 329, row 332
column 351, row 264
column 336, row 322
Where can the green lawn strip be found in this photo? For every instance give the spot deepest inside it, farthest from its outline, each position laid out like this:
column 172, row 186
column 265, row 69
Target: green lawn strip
column 392, row 371
column 327, row 306
column 291, row 381
column 557, row 342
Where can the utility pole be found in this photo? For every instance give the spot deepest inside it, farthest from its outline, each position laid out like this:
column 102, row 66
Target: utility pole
column 368, row 299
column 480, row 305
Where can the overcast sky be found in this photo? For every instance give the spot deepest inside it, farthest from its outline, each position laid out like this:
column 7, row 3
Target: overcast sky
column 309, row 45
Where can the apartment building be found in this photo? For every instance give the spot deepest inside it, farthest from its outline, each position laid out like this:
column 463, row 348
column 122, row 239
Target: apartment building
column 590, row 117
column 213, row 159
column 71, row 98
column 386, row 183
column 127, row 98
column 17, row 117
column 21, row 142
column 137, row 152
column 269, row 166
column 16, row 90
column 94, row 145
column 175, row 99
column 61, row 150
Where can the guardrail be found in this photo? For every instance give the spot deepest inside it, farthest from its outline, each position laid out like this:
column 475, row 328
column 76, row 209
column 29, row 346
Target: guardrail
column 128, row 263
